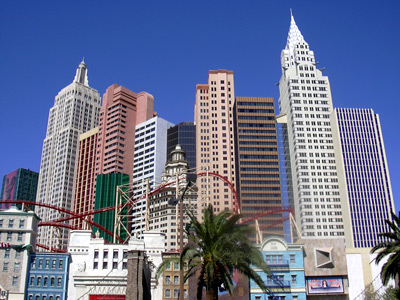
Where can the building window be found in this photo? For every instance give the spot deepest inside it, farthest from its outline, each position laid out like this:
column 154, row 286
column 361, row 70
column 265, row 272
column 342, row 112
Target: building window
column 20, row 236
column 45, row 281
column 124, row 265
column 1, row 222
column 15, row 280
column 115, row 265
column 5, row 266
column 7, row 253
column 115, row 254
column 60, row 264
column 176, row 293
column 52, row 281
column 40, row 263
column 53, row 264
column 167, row 293
column 38, row 280
column 59, row 280
column 9, row 236
column 10, row 223
column 16, row 267
column 176, row 266
column 292, row 258
column 47, row 264
column 21, row 223
column 31, row 281
column 167, row 279
column 105, row 254
column 18, row 256
column 176, row 279
column 96, row 253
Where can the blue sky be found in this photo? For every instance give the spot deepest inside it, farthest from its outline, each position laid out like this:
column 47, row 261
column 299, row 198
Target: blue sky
column 167, row 47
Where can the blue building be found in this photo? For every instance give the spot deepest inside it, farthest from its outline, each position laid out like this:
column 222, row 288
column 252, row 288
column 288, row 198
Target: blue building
column 47, row 277
column 286, row 262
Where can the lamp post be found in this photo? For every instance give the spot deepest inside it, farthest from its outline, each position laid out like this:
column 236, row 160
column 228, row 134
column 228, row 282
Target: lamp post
column 189, row 179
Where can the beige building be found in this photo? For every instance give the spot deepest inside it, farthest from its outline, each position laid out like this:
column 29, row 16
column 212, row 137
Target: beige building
column 215, row 139
column 18, row 236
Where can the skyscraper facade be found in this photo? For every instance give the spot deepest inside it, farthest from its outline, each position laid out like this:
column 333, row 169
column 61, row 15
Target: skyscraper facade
column 258, row 176
column 318, row 192
column 20, row 184
column 121, row 111
column 76, row 110
column 85, row 180
column 367, row 174
column 183, row 134
column 148, row 165
column 215, row 139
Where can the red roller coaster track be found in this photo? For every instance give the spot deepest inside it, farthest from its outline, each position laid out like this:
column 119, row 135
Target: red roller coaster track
column 73, row 215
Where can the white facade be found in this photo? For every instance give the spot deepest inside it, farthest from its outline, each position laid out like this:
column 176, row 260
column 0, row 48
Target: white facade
column 98, row 268
column 17, row 228
column 367, row 174
column 76, row 110
column 149, row 161
column 316, row 185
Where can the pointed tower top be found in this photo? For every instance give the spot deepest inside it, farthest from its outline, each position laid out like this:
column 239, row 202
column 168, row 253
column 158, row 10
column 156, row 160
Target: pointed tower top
column 81, row 74
column 294, row 35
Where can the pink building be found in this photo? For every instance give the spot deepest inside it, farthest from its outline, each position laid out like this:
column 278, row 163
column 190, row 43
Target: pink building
column 121, row 111
column 215, row 139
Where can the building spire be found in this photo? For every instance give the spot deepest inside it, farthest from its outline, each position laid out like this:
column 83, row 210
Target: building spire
column 294, row 35
column 81, row 74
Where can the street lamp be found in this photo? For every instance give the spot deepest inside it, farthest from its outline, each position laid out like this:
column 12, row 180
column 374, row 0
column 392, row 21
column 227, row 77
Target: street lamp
column 190, row 178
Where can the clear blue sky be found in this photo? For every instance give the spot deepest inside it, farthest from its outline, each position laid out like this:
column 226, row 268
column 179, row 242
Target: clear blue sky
column 167, row 47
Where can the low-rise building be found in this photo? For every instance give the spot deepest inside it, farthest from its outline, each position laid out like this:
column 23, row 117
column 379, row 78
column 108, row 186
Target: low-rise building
column 18, row 232
column 287, row 279
column 47, row 276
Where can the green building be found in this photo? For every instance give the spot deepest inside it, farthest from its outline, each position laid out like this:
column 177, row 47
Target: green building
column 106, row 186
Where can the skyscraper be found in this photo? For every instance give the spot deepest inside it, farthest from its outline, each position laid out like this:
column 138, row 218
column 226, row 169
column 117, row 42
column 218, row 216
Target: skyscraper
column 258, row 179
column 367, row 174
column 318, row 192
column 183, row 134
column 215, row 139
column 85, row 179
column 148, row 165
column 121, row 111
column 76, row 110
column 20, row 184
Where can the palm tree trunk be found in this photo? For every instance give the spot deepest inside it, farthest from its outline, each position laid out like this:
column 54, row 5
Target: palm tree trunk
column 212, row 294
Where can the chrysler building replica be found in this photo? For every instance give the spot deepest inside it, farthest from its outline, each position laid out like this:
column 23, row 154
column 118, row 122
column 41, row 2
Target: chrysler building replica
column 76, row 110
column 314, row 166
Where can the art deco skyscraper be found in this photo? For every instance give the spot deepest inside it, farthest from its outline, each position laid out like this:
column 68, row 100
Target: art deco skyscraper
column 317, row 187
column 367, row 174
column 76, row 110
column 215, row 140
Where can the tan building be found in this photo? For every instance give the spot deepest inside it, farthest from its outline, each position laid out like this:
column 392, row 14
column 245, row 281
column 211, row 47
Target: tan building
column 85, row 177
column 258, row 177
column 171, row 279
column 215, row 139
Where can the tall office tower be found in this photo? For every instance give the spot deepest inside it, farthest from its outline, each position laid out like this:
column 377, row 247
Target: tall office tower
column 85, row 179
column 258, row 179
column 148, row 165
column 215, row 139
column 183, row 134
column 20, row 184
column 76, row 110
column 164, row 215
column 121, row 111
column 367, row 174
column 318, row 192
column 106, row 186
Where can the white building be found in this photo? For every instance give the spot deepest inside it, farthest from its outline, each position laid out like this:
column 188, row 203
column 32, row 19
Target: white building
column 148, row 165
column 99, row 268
column 316, row 185
column 76, row 110
column 18, row 237
column 367, row 174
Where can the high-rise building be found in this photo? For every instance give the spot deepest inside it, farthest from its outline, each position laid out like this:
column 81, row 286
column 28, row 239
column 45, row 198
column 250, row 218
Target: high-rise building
column 164, row 215
column 257, row 162
column 318, row 192
column 121, row 111
column 20, row 184
column 367, row 174
column 184, row 135
column 106, row 187
column 148, row 165
column 85, row 180
column 76, row 110
column 215, row 139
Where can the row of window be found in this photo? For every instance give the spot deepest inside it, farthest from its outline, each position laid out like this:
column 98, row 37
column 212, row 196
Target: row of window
column 38, row 263
column 11, row 223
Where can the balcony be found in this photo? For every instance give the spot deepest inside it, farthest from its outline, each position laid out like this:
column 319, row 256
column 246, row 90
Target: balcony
column 278, row 264
column 276, row 283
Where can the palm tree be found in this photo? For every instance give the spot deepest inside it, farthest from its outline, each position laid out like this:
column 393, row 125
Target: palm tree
column 217, row 247
column 390, row 249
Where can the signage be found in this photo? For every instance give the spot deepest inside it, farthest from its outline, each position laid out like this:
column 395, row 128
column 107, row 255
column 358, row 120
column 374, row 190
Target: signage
column 325, row 285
